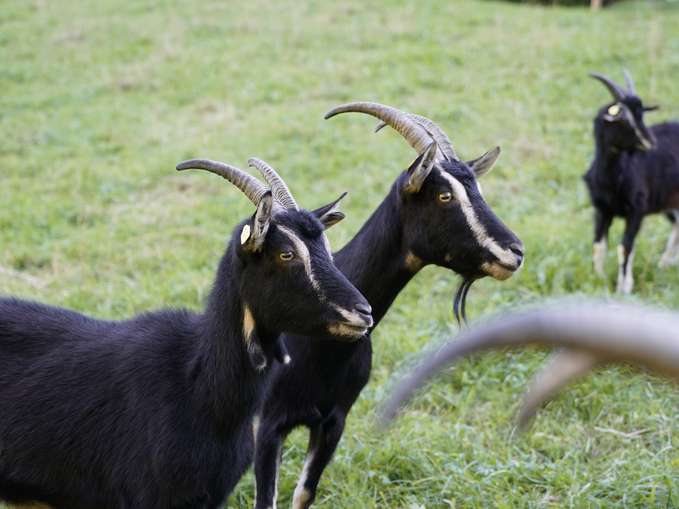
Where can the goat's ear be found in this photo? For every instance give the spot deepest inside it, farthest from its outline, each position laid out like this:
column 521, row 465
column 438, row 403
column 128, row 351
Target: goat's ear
column 421, row 168
column 329, row 214
column 484, row 164
column 252, row 238
column 655, row 107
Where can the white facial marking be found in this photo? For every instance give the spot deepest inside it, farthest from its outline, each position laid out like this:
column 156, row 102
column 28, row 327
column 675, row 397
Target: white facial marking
column 245, row 234
column 644, row 140
column 302, row 495
column 625, row 276
column 286, row 359
column 303, row 252
column 599, row 257
column 505, row 256
column 671, row 254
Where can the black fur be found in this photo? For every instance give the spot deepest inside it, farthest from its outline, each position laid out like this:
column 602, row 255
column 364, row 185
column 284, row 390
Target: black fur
column 321, row 385
column 155, row 411
column 627, row 179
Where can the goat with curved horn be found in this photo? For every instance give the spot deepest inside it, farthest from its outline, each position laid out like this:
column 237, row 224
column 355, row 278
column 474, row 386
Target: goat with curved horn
column 251, row 187
column 279, row 189
column 634, row 173
column 616, row 90
column 592, row 334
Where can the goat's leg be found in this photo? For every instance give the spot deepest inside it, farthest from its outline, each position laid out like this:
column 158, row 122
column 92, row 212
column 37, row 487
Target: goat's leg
column 626, row 253
column 602, row 223
column 269, row 447
column 323, row 441
column 671, row 254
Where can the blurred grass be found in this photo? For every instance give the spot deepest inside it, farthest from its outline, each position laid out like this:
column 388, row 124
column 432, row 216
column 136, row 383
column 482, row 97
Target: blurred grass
column 99, row 101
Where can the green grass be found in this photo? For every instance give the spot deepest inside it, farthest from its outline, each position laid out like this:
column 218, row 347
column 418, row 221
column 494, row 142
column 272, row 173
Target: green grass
column 99, row 101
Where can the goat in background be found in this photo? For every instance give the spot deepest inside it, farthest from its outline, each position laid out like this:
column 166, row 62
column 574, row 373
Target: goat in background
column 635, row 172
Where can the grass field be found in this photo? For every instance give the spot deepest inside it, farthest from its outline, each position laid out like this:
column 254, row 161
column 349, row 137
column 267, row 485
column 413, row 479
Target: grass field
column 99, row 101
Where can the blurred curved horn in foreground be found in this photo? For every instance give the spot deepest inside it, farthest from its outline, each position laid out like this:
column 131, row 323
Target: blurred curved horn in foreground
column 589, row 334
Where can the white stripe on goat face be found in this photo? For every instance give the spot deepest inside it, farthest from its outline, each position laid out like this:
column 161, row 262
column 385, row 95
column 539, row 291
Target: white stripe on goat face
column 303, row 252
column 482, row 237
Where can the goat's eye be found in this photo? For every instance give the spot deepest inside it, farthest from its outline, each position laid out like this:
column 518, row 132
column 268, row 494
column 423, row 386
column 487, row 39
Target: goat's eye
column 614, row 110
column 286, row 256
column 445, row 197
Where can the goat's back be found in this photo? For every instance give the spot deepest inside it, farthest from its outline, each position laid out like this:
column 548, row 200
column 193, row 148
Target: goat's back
column 103, row 410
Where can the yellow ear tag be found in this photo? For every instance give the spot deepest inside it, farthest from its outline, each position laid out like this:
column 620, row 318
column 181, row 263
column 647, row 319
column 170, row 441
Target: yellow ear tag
column 614, row 110
column 245, row 234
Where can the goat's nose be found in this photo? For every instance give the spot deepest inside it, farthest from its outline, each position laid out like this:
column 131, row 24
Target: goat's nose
column 517, row 249
column 364, row 308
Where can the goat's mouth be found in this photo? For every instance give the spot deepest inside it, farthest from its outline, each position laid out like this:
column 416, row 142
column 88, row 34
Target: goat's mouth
column 349, row 330
column 498, row 270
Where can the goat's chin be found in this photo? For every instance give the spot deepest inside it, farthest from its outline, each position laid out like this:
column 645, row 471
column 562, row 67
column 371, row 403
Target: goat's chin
column 347, row 331
column 497, row 270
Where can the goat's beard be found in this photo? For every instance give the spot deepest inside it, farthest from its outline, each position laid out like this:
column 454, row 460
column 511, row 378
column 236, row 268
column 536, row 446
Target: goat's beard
column 460, row 300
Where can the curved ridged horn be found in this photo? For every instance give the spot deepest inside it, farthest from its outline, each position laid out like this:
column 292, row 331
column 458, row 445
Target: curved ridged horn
column 440, row 137
column 279, row 189
column 629, row 82
column 601, row 333
column 414, row 133
column 251, row 187
column 616, row 91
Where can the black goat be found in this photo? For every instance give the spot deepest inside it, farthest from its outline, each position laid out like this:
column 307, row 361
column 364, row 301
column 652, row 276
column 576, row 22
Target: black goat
column 433, row 214
column 590, row 335
column 156, row 411
column 635, row 172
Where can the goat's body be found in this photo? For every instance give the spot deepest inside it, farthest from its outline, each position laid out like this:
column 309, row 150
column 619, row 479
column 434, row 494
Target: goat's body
column 647, row 181
column 113, row 415
column 633, row 184
column 319, row 387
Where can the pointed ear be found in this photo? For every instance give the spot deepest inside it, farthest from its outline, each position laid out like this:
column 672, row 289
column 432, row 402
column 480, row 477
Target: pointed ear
column 421, row 168
column 329, row 214
column 252, row 238
column 484, row 164
column 655, row 107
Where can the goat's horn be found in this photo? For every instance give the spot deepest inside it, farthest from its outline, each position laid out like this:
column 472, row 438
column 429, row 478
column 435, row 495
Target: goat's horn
column 442, row 141
column 439, row 135
column 629, row 81
column 279, row 189
column 413, row 132
column 608, row 333
column 251, row 187
column 615, row 90
column 562, row 368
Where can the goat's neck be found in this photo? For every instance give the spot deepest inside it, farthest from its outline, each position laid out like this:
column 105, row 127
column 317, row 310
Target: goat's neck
column 606, row 159
column 374, row 259
column 227, row 384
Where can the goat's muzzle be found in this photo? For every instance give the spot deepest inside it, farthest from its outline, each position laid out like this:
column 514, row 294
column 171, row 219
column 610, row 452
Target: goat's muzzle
column 354, row 324
column 502, row 270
